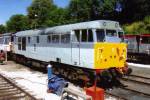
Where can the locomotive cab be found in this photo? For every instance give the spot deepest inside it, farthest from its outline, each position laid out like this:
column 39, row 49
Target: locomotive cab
column 108, row 44
column 107, row 35
column 81, row 49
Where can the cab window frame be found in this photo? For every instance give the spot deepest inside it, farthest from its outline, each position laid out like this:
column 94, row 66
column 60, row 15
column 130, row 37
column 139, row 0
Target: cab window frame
column 98, row 38
column 65, row 38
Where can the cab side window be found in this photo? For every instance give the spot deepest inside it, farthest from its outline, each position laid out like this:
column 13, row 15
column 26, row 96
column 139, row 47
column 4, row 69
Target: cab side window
column 23, row 43
column 65, row 38
column 37, row 39
column 90, row 35
column 87, row 35
column 55, row 38
column 84, row 36
column 49, row 38
column 29, row 39
column 77, row 35
column 100, row 35
column 19, row 43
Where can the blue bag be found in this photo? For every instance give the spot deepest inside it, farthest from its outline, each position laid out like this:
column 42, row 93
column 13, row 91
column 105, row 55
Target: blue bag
column 56, row 84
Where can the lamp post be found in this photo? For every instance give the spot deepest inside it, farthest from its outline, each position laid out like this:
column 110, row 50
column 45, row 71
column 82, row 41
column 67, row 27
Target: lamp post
column 35, row 21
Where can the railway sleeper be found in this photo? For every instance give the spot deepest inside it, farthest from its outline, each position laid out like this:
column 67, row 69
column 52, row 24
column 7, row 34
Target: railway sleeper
column 16, row 97
column 139, row 92
column 5, row 85
column 4, row 88
column 10, row 93
column 7, row 90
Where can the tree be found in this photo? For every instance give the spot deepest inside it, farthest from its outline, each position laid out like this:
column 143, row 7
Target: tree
column 135, row 10
column 138, row 27
column 58, row 16
column 84, row 10
column 81, row 10
column 38, row 12
column 2, row 29
column 17, row 23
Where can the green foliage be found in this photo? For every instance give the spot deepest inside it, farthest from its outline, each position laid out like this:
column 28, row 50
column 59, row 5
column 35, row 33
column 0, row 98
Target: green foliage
column 58, row 16
column 84, row 10
column 38, row 12
column 17, row 23
column 138, row 27
column 43, row 13
column 2, row 29
column 135, row 10
column 80, row 10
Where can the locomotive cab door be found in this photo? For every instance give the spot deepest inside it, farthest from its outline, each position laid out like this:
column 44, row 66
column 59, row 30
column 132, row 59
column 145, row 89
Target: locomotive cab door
column 75, row 48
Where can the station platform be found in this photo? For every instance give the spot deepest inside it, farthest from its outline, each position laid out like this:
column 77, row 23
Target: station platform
column 140, row 69
column 139, row 65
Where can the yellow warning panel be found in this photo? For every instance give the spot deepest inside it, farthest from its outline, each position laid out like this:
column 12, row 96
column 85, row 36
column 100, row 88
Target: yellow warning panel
column 109, row 55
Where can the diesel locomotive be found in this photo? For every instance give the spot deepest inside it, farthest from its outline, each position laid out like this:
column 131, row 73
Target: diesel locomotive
column 78, row 51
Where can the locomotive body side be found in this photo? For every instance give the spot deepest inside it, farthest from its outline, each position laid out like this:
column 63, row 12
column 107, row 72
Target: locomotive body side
column 75, row 50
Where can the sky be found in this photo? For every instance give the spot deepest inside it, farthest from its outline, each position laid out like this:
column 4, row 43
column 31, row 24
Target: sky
column 11, row 7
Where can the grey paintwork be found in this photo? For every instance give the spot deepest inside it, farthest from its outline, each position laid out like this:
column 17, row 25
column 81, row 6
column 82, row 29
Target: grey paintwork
column 83, row 25
column 29, row 33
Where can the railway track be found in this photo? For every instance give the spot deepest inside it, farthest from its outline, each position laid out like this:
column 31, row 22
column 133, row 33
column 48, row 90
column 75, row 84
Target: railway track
column 137, row 88
column 128, row 94
column 138, row 84
column 136, row 91
column 10, row 91
column 138, row 79
column 115, row 96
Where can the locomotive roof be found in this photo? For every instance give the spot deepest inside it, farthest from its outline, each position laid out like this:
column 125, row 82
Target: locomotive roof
column 67, row 28
column 83, row 25
column 6, row 34
column 29, row 32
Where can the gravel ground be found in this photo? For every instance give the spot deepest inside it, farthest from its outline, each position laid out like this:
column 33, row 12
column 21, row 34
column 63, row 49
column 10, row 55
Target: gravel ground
column 37, row 82
column 33, row 81
column 140, row 70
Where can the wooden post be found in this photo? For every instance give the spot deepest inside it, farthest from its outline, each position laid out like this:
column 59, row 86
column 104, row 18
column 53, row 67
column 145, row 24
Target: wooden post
column 5, row 50
column 6, row 56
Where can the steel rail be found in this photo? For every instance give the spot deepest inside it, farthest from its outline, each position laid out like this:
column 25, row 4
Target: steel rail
column 137, row 81
column 116, row 96
column 9, row 90
column 132, row 90
column 139, row 76
column 143, row 80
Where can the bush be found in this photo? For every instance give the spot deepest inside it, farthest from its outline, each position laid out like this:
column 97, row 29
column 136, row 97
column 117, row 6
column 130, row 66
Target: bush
column 138, row 27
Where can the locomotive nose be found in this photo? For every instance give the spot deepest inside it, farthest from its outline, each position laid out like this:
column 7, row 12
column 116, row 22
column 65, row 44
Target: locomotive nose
column 108, row 55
